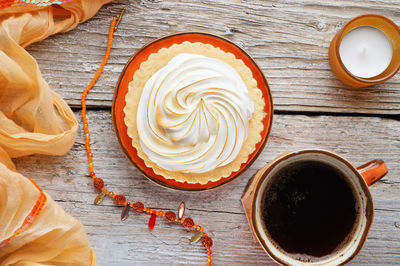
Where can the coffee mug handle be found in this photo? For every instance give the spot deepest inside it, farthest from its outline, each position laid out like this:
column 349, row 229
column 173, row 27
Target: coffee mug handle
column 373, row 171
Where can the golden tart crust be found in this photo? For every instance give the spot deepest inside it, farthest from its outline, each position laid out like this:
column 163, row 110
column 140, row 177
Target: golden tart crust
column 158, row 60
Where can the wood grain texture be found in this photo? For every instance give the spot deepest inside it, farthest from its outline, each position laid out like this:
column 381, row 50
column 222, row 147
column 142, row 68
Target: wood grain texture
column 130, row 243
column 288, row 39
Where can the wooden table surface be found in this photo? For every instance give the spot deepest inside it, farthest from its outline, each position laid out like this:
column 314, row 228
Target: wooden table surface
column 289, row 40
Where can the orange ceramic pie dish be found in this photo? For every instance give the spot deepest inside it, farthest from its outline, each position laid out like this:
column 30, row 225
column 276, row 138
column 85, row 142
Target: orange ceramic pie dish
column 122, row 88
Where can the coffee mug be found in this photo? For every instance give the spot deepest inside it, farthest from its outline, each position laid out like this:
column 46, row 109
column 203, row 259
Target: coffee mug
column 356, row 180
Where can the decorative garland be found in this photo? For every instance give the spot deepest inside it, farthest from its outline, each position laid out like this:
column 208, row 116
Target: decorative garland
column 120, row 199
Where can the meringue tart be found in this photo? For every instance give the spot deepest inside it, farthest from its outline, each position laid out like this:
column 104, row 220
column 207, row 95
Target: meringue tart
column 194, row 112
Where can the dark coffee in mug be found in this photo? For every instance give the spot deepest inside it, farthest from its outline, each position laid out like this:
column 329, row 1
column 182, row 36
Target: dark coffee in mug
column 309, row 208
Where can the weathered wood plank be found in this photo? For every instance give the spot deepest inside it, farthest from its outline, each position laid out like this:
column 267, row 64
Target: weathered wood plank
column 125, row 243
column 288, row 39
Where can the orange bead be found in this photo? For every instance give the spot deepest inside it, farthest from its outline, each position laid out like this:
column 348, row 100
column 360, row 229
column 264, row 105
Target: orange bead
column 188, row 223
column 120, row 199
column 207, row 242
column 98, row 183
column 138, row 207
column 170, row 216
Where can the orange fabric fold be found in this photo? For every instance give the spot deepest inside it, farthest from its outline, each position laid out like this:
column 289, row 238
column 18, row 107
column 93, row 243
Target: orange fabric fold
column 34, row 230
column 31, row 216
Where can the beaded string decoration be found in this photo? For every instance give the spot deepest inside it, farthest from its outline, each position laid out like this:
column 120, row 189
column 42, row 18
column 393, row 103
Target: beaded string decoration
column 120, row 199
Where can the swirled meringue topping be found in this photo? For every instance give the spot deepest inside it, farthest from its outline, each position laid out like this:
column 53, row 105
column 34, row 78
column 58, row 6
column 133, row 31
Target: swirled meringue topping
column 193, row 114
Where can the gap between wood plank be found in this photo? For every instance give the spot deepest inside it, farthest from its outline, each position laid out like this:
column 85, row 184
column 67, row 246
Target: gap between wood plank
column 280, row 112
column 313, row 113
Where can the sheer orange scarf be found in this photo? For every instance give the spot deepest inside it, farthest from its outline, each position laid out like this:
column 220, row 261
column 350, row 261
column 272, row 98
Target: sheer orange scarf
column 34, row 230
